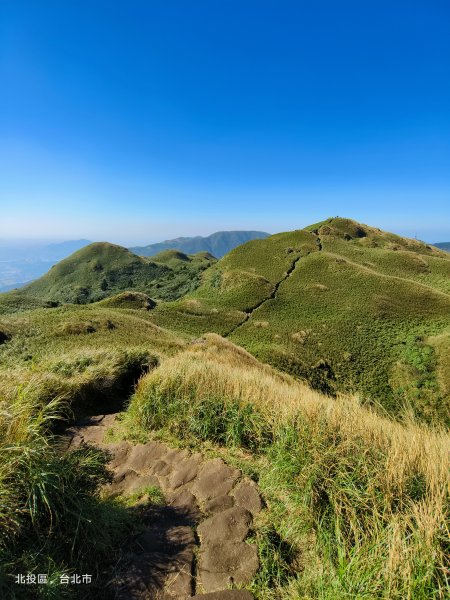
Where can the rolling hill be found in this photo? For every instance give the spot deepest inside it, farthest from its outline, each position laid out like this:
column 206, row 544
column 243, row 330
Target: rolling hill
column 343, row 305
column 20, row 264
column 101, row 270
column 218, row 244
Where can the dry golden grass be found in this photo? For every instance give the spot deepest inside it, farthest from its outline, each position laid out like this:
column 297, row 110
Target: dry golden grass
column 217, row 367
column 386, row 481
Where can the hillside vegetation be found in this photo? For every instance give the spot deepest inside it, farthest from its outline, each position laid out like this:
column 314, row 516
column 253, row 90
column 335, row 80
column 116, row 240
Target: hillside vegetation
column 357, row 504
column 54, row 363
column 102, row 270
column 345, row 306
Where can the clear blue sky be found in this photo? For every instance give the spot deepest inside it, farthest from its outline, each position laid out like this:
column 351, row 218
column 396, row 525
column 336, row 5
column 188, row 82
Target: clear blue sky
column 141, row 120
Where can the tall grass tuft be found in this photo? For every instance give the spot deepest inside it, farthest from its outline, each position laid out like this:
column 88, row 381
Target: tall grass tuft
column 52, row 520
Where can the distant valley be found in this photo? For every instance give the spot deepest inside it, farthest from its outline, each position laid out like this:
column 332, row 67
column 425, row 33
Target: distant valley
column 22, row 263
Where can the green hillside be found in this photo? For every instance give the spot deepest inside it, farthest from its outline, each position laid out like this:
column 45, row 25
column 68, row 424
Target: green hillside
column 346, row 307
column 329, row 471
column 101, row 270
column 342, row 305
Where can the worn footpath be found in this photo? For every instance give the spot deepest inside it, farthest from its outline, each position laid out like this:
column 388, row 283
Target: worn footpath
column 195, row 545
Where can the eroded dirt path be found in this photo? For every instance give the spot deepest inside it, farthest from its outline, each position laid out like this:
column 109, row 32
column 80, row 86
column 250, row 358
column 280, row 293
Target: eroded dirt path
column 274, row 292
column 271, row 296
column 192, row 547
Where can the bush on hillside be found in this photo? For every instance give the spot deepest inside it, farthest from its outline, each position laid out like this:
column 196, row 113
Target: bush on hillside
column 4, row 337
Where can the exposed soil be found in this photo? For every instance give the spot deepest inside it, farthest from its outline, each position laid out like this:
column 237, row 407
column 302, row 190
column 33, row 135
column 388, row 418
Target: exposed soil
column 193, row 546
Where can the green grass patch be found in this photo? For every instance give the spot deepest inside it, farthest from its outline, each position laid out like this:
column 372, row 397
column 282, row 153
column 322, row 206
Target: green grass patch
column 224, row 422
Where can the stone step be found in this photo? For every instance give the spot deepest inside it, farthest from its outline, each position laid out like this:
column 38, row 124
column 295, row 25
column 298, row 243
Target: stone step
column 208, row 514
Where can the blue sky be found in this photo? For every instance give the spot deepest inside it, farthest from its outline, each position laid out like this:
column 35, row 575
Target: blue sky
column 143, row 120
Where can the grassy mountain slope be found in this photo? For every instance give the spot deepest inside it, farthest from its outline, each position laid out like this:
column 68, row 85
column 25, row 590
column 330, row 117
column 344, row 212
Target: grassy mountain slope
column 53, row 519
column 80, row 352
column 239, row 282
column 343, row 305
column 218, row 244
column 17, row 301
column 354, row 500
column 101, row 270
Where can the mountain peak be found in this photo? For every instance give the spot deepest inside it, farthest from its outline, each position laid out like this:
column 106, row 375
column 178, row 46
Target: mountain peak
column 368, row 236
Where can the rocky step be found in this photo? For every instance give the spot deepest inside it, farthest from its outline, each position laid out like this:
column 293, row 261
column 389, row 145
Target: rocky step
column 197, row 542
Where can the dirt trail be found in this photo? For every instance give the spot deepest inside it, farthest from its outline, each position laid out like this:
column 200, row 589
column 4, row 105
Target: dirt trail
column 273, row 294
column 193, row 546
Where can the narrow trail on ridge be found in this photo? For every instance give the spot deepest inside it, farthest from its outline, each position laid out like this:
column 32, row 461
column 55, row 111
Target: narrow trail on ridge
column 273, row 294
column 371, row 271
column 191, row 546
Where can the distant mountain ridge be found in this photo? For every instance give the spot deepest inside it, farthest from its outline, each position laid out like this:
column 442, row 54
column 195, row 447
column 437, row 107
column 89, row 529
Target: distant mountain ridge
column 218, row 244
column 60, row 250
column 35, row 251
column 443, row 246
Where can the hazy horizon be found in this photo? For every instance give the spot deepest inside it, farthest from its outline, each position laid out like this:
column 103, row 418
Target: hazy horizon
column 128, row 242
